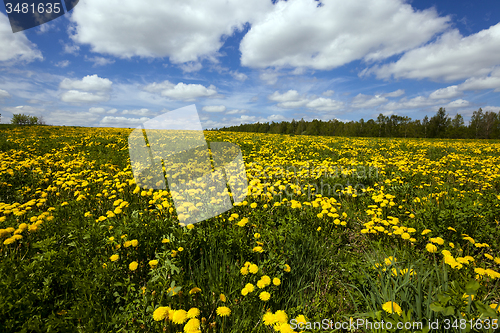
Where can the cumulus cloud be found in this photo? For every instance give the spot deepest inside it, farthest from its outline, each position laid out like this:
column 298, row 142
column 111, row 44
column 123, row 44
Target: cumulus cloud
column 413, row 103
column 214, row 108
column 181, row 30
column 450, row 57
column 26, row 109
column 491, row 81
column 459, row 103
column 325, row 104
column 362, row 101
column 293, row 100
column 76, row 96
column 16, row 46
column 328, row 93
column 181, row 91
column 448, row 92
column 303, row 34
column 88, row 83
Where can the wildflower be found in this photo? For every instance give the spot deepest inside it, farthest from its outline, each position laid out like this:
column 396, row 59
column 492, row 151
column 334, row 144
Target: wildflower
column 301, row 319
column 127, row 244
column 265, row 296
column 180, row 249
column 222, row 297
column 426, row 231
column 190, row 226
column 390, row 260
column 193, row 313
column 253, row 205
column 488, row 256
column 133, row 265
column 244, row 291
column 391, row 307
column 287, row 268
column 431, row 248
column 9, row 241
column 495, row 307
column 194, row 290
column 134, row 242
column 223, row 311
column 253, row 268
column 193, row 325
column 153, row 263
column 269, row 318
column 250, row 287
column 161, row 313
column 276, row 281
column 179, row 317
column 244, row 270
column 164, row 240
column 114, row 257
column 258, row 249
column 281, row 316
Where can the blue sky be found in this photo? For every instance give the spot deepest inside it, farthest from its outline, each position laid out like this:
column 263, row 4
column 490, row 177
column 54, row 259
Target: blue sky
column 120, row 63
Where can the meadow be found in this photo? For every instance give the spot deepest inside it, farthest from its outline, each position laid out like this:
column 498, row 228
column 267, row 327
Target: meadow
column 333, row 230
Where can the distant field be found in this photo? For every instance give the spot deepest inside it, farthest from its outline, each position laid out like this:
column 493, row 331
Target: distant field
column 399, row 230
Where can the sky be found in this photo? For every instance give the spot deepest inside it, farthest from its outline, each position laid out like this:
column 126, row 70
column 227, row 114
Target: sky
column 121, row 63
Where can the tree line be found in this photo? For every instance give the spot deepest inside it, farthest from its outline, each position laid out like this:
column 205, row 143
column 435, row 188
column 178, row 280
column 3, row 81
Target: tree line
column 482, row 125
column 22, row 119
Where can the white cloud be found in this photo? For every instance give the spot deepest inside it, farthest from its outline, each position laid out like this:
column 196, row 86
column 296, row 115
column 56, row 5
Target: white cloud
column 63, row 63
column 71, row 49
column 181, row 91
column 491, row 108
column 448, row 92
column 191, row 67
column 111, row 121
column 75, row 96
column 328, row 93
column 25, row 109
column 140, row 112
column 99, row 61
column 15, row 46
column 293, row 104
column 396, row 93
column 486, row 82
column 325, row 104
column 97, row 110
column 214, row 108
column 365, row 101
column 236, row 111
column 271, row 77
column 4, row 94
column 413, row 103
column 238, row 76
column 88, row 83
column 459, row 103
column 290, row 95
column 301, row 34
column 70, row 118
column 181, row 30
column 450, row 57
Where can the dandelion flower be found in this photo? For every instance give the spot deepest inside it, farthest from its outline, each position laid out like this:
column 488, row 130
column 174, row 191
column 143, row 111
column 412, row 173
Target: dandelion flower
column 250, row 287
column 223, row 311
column 114, row 257
column 253, row 268
column 244, row 270
column 281, row 316
column 276, row 281
column 287, row 268
column 193, row 313
column 391, row 307
column 134, row 242
column 153, row 263
column 268, row 318
column 222, row 297
column 193, row 325
column 194, row 290
column 179, row 317
column 161, row 313
column 133, row 265
column 265, row 296
column 431, row 248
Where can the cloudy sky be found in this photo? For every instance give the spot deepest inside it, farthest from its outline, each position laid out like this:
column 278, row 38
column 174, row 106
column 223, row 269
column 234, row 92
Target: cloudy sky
column 120, row 63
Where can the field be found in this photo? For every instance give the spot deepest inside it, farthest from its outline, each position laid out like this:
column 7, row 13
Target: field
column 333, row 230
